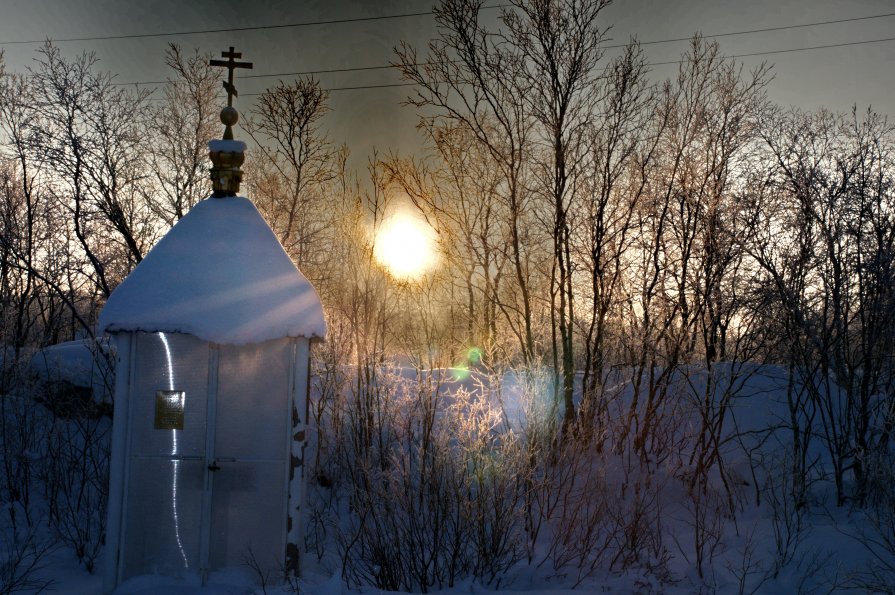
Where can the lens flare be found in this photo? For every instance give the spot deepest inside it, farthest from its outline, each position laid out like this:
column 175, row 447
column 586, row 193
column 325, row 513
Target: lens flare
column 474, row 356
column 405, row 245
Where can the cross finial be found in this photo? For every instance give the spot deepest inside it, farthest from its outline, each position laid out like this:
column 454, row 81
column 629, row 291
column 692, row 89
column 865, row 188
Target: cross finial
column 226, row 154
column 230, row 64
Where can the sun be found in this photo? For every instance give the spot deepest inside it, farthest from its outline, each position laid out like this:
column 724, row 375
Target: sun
column 405, row 245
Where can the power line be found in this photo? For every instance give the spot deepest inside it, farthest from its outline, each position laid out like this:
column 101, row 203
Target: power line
column 751, row 54
column 790, row 50
column 424, row 13
column 764, row 30
column 658, row 41
column 261, row 76
column 359, row 87
column 352, row 88
column 239, row 29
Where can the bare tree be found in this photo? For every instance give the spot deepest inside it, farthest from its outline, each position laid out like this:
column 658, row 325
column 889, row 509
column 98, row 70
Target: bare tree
column 561, row 47
column 297, row 161
column 89, row 132
column 178, row 134
column 832, row 273
column 687, row 255
column 38, row 303
column 473, row 80
column 19, row 214
column 456, row 190
column 623, row 143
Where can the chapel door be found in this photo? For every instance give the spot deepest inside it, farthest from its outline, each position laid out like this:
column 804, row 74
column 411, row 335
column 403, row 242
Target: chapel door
column 207, row 467
column 166, row 464
column 251, row 438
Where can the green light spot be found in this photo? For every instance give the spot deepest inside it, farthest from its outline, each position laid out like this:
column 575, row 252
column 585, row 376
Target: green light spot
column 474, row 356
column 459, row 373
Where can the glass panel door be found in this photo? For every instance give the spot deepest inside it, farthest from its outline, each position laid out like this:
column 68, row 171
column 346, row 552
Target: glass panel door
column 166, row 462
column 250, row 448
column 190, row 482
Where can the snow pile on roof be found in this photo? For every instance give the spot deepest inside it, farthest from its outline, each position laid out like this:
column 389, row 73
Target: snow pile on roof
column 219, row 274
column 227, row 146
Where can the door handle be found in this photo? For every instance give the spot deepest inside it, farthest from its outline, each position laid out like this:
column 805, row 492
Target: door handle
column 213, row 466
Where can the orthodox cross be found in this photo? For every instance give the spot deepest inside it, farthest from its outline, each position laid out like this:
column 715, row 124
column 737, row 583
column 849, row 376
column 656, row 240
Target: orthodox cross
column 230, row 64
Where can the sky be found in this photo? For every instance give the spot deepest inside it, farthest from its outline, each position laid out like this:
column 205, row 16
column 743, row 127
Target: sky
column 836, row 78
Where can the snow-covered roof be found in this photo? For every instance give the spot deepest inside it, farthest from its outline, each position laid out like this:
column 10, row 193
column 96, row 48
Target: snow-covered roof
column 221, row 275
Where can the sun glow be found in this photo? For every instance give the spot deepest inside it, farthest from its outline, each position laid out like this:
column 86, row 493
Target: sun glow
column 405, row 245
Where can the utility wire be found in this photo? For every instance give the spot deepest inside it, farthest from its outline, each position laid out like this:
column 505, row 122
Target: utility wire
column 360, row 87
column 418, row 14
column 658, row 41
column 353, row 88
column 261, row 76
column 751, row 54
column 764, row 30
column 790, row 50
column 237, row 29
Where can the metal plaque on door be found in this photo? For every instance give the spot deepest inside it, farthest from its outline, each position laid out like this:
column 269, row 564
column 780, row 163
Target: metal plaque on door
column 169, row 409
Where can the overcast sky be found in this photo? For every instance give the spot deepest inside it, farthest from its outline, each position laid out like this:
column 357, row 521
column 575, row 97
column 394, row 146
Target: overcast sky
column 833, row 77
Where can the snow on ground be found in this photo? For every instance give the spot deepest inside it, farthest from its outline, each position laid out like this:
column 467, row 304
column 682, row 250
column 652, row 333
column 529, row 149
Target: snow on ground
column 828, row 552
column 837, row 552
